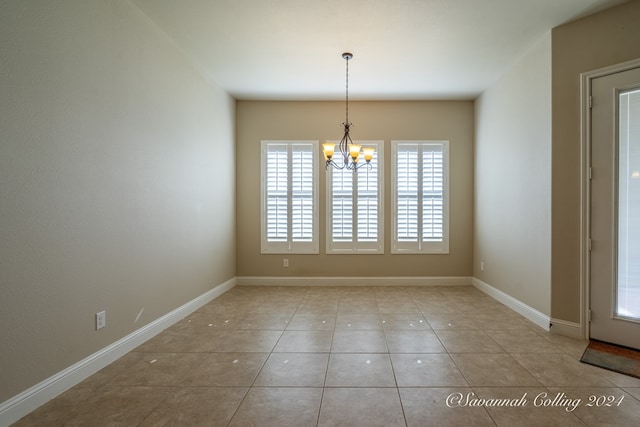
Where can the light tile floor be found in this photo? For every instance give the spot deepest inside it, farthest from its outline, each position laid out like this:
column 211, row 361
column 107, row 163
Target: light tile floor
column 352, row 356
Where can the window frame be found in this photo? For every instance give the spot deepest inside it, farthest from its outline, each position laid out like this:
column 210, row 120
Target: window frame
column 289, row 246
column 357, row 247
column 420, row 246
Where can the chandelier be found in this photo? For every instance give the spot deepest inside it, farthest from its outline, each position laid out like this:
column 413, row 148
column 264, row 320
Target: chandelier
column 348, row 152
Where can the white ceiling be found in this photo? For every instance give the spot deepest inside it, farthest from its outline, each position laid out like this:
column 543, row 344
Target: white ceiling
column 403, row 49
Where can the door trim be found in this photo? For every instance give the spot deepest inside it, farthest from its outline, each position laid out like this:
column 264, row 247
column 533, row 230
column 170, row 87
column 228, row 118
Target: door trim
column 585, row 183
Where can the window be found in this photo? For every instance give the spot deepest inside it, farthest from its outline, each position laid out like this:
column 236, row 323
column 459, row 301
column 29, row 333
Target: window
column 420, row 197
column 289, row 197
column 355, row 206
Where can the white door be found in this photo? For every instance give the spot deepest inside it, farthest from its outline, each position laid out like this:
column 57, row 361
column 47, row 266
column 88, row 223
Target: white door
column 615, row 208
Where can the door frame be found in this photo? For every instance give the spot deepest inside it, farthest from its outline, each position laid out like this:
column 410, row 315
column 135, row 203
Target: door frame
column 585, row 185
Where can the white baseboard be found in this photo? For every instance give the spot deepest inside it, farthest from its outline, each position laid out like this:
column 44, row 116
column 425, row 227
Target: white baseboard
column 568, row 329
column 516, row 305
column 30, row 399
column 353, row 281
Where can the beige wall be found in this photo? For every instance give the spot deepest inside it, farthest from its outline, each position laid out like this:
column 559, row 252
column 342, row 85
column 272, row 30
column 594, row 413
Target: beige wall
column 603, row 39
column 512, row 222
column 116, row 182
column 372, row 120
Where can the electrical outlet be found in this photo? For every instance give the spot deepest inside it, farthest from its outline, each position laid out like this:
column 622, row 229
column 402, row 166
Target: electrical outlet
column 101, row 320
column 285, row 262
column 481, row 265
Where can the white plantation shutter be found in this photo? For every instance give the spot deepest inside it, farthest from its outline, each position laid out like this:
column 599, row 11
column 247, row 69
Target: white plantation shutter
column 277, row 183
column 432, row 194
column 368, row 206
column 354, row 203
column 342, row 205
column 302, row 182
column 289, row 197
column 420, row 197
column 407, row 193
